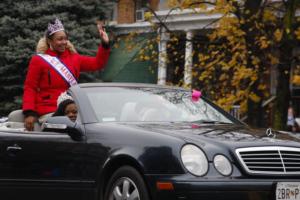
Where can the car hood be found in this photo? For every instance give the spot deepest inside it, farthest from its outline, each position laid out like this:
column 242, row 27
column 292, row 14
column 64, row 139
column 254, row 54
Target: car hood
column 231, row 134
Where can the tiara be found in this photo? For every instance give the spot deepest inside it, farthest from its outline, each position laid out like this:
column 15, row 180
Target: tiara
column 62, row 97
column 57, row 26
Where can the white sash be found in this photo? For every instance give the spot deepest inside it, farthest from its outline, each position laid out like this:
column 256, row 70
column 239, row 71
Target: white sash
column 61, row 69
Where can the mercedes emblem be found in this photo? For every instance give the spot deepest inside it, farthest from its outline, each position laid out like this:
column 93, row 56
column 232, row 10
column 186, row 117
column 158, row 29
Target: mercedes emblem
column 270, row 133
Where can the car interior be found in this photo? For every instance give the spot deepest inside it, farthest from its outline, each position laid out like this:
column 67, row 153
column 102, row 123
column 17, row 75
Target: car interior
column 15, row 121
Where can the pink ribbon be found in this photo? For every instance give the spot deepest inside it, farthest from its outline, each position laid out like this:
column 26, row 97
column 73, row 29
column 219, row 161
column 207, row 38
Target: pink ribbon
column 196, row 95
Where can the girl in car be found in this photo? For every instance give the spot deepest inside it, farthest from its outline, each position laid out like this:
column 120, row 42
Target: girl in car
column 66, row 107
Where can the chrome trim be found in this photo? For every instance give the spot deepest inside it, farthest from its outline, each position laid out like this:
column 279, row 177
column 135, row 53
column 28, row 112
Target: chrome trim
column 45, row 181
column 259, row 156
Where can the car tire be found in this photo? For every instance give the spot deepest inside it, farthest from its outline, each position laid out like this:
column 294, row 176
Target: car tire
column 126, row 183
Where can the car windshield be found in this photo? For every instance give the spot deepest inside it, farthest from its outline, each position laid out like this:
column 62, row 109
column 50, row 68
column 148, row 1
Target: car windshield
column 126, row 104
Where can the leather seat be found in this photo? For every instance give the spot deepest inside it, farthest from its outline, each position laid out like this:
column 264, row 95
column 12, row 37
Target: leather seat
column 16, row 120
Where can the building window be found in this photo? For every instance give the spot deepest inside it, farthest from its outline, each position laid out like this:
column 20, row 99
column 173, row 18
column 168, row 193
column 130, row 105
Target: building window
column 141, row 4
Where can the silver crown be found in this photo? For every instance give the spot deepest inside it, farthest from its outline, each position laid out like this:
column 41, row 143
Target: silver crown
column 62, row 97
column 57, row 26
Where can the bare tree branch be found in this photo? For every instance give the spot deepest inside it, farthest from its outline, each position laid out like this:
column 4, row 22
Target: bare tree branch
column 162, row 23
column 159, row 20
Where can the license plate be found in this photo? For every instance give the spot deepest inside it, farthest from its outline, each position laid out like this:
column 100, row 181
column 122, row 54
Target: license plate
column 288, row 191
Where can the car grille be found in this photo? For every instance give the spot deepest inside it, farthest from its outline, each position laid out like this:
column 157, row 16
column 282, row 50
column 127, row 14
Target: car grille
column 270, row 160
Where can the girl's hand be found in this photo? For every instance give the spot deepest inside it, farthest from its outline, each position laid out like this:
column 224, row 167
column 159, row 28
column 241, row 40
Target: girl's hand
column 29, row 123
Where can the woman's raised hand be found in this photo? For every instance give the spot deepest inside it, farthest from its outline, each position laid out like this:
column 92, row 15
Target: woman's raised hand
column 103, row 34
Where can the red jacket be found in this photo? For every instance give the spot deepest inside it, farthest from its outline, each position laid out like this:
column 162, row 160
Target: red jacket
column 43, row 84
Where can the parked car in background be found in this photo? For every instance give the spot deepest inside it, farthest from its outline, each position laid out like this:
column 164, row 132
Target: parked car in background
column 142, row 141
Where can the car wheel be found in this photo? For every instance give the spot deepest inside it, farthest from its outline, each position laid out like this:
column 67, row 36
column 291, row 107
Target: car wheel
column 126, row 183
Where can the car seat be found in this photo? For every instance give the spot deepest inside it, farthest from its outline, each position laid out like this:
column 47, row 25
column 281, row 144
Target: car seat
column 128, row 112
column 16, row 121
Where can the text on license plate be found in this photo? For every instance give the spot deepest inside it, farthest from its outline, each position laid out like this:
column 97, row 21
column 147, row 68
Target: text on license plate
column 288, row 191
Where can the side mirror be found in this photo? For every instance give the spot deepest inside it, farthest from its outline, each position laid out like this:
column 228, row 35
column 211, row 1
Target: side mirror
column 63, row 124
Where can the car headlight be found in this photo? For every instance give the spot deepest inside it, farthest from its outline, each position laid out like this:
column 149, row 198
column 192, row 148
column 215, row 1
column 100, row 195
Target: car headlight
column 223, row 165
column 194, row 160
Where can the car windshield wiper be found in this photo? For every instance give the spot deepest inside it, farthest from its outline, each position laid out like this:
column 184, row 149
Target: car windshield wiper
column 210, row 122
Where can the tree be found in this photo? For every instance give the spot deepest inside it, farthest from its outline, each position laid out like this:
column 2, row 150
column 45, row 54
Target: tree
column 22, row 23
column 289, row 27
column 232, row 64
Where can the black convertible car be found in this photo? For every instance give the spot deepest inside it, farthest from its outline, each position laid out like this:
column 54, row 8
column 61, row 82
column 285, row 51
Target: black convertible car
column 146, row 142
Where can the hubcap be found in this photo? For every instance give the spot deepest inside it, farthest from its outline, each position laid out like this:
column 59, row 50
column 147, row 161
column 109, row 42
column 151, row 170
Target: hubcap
column 124, row 189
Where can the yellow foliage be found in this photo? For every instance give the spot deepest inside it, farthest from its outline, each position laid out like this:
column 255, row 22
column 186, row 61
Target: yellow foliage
column 262, row 87
column 269, row 15
column 202, row 6
column 253, row 77
column 297, row 33
column 148, row 16
column 203, row 57
column 215, row 53
column 255, row 60
column 254, row 97
column 223, row 66
column 194, row 74
column 204, row 75
column 213, row 36
column 173, row 3
column 296, row 80
column 193, row 4
column 274, row 60
column 174, row 39
column 243, row 105
column 278, row 35
column 226, row 102
column 223, row 6
column 240, row 94
column 223, row 77
column 263, row 42
column 232, row 62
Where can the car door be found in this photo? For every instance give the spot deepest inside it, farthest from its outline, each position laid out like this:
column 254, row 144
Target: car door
column 41, row 165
